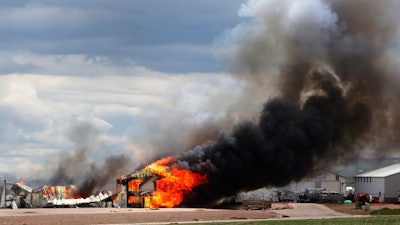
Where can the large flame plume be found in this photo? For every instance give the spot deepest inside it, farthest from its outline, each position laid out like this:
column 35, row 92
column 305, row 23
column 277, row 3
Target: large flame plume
column 172, row 186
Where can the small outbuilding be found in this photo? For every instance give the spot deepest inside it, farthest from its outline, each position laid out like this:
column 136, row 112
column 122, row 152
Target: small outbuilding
column 383, row 183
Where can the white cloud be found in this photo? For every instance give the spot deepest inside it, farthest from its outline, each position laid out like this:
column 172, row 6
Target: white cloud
column 126, row 110
column 65, row 63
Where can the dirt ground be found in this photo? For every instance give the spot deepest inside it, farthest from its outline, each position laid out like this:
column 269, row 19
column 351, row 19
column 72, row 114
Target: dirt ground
column 78, row 216
column 352, row 210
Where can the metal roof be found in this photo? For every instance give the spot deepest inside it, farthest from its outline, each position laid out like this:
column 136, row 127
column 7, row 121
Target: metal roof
column 382, row 172
column 140, row 174
column 24, row 187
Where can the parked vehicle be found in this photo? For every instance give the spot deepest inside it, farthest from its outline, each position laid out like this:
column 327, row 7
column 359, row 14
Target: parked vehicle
column 303, row 198
column 313, row 195
column 289, row 196
column 334, row 197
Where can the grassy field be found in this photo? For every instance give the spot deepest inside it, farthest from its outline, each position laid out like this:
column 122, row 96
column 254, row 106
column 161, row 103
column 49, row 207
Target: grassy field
column 372, row 220
column 386, row 211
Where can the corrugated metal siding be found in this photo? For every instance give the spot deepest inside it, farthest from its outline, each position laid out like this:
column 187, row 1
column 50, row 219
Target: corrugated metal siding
column 392, row 185
column 374, row 186
column 382, row 172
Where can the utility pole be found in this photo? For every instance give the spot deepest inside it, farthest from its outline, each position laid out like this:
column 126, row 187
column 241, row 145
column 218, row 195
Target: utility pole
column 2, row 193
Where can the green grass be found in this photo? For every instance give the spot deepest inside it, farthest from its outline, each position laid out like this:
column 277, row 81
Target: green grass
column 372, row 220
column 386, row 211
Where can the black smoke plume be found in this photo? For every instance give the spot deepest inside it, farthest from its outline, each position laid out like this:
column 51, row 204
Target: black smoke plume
column 285, row 146
column 339, row 93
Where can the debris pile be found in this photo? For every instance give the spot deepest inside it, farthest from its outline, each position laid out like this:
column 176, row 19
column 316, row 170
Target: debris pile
column 20, row 195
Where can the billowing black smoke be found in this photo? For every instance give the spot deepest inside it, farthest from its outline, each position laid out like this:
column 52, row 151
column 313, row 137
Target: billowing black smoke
column 338, row 85
column 286, row 144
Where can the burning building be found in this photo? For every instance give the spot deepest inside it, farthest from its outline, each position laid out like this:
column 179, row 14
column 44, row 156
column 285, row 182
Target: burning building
column 158, row 185
column 136, row 189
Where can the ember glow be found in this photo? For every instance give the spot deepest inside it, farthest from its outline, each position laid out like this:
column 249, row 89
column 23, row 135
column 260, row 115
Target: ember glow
column 174, row 184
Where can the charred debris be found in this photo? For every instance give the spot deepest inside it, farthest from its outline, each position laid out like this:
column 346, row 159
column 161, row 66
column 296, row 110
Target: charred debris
column 19, row 195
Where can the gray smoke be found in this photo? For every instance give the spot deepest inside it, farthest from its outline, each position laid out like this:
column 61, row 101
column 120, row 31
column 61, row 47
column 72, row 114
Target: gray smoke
column 76, row 167
column 357, row 41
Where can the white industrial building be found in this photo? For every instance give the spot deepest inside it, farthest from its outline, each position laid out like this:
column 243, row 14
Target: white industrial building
column 328, row 181
column 383, row 183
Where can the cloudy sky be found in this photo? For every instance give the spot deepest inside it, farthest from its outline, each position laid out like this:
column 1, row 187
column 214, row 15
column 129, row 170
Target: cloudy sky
column 131, row 78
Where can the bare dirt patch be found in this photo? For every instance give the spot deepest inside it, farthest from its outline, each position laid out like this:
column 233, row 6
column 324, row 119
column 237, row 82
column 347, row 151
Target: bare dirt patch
column 351, row 209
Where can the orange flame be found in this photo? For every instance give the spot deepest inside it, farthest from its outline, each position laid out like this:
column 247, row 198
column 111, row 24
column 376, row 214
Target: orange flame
column 58, row 192
column 174, row 184
column 133, row 186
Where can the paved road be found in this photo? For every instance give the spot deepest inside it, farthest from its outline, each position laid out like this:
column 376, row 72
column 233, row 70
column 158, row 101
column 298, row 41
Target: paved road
column 306, row 210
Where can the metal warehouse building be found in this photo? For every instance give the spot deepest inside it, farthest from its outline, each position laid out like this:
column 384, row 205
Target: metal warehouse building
column 329, row 181
column 383, row 183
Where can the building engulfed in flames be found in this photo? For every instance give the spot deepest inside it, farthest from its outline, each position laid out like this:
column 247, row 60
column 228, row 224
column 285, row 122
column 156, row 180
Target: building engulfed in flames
column 160, row 184
column 136, row 189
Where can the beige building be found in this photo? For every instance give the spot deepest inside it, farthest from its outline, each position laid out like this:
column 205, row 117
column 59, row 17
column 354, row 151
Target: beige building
column 329, row 181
